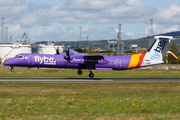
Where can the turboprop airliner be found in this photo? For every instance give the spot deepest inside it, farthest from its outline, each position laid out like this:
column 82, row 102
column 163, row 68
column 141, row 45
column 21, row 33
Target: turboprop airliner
column 72, row 59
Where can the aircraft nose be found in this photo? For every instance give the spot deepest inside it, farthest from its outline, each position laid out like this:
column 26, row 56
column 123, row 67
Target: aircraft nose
column 7, row 63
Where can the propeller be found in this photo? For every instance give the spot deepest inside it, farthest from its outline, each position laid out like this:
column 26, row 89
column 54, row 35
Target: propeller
column 67, row 57
column 57, row 51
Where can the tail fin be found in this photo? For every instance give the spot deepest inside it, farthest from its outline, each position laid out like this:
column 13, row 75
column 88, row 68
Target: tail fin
column 158, row 48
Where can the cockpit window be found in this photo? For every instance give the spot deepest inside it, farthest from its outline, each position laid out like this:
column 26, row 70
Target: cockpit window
column 19, row 56
column 16, row 56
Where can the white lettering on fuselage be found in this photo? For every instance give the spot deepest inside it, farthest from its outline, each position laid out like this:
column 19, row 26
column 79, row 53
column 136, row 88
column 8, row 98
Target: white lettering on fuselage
column 78, row 60
column 45, row 60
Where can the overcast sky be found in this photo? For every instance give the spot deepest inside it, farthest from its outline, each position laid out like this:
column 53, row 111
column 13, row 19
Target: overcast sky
column 59, row 20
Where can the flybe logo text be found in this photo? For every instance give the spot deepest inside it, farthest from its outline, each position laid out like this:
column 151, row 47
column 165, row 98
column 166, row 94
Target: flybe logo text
column 160, row 46
column 45, row 60
column 159, row 49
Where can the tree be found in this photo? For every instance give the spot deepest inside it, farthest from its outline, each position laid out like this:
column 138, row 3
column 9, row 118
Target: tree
column 174, row 48
column 79, row 50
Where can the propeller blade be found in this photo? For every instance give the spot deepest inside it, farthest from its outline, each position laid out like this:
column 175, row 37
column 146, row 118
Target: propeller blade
column 57, row 51
column 67, row 57
column 68, row 52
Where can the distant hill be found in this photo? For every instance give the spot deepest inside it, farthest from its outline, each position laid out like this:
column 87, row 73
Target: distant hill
column 103, row 44
column 145, row 42
column 174, row 34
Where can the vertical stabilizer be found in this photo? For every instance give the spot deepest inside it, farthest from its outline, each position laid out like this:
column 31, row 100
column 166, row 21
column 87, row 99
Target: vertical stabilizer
column 158, row 48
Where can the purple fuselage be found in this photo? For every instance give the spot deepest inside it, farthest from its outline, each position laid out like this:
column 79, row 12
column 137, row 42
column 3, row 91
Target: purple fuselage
column 76, row 61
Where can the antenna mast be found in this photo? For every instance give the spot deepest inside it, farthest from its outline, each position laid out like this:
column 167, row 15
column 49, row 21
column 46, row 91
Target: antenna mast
column 2, row 30
column 10, row 39
column 151, row 31
column 80, row 37
column 6, row 34
column 119, row 35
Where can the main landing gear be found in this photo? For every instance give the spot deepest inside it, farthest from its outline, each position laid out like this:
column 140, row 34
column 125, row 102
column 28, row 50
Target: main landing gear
column 12, row 70
column 91, row 75
column 79, row 72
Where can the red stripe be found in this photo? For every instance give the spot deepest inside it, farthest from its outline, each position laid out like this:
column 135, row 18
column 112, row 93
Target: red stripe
column 141, row 59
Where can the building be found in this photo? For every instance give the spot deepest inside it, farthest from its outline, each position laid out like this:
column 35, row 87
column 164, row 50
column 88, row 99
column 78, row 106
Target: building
column 50, row 48
column 134, row 48
column 8, row 51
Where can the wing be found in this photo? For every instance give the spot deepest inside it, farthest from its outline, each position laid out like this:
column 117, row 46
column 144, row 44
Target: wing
column 93, row 59
column 76, row 53
column 88, row 59
column 83, row 58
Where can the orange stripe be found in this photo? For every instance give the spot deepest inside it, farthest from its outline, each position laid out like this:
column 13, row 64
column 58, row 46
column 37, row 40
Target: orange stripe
column 141, row 59
column 134, row 60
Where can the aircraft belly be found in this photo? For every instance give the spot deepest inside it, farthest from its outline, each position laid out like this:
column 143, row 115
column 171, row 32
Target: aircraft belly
column 69, row 65
column 119, row 64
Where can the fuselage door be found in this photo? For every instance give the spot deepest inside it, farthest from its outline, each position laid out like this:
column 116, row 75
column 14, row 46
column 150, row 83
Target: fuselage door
column 30, row 60
column 118, row 63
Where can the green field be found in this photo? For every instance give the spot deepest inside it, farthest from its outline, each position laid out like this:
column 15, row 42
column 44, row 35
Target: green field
column 72, row 73
column 90, row 101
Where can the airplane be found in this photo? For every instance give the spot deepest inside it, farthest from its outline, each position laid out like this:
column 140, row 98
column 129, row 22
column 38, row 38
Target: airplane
column 72, row 59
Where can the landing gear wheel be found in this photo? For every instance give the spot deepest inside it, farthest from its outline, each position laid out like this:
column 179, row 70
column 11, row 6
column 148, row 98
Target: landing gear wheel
column 80, row 72
column 91, row 75
column 12, row 70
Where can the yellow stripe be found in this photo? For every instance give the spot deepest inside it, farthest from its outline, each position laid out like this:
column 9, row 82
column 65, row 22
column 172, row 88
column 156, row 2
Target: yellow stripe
column 134, row 60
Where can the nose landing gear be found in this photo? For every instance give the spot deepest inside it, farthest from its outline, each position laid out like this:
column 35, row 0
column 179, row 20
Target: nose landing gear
column 12, row 70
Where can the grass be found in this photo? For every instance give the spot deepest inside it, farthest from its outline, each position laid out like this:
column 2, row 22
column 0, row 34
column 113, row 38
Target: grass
column 72, row 73
column 90, row 101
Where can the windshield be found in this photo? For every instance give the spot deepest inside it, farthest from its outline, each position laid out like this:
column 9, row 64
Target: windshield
column 16, row 56
column 19, row 56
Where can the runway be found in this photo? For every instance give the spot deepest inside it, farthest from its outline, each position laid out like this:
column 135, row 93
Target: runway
column 88, row 80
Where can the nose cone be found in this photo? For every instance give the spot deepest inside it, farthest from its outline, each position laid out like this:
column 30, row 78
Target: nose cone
column 8, row 63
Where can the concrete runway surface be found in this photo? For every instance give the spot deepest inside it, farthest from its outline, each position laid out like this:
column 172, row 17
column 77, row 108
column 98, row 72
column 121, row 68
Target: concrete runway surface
column 89, row 80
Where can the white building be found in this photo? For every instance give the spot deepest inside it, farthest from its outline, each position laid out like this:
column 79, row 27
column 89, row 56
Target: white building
column 10, row 50
column 49, row 49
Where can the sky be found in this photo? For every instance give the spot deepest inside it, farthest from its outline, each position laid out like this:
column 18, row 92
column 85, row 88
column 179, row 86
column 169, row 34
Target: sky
column 59, row 20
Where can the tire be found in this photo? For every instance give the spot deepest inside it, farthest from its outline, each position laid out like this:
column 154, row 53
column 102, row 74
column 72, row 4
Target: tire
column 91, row 75
column 80, row 72
column 12, row 70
